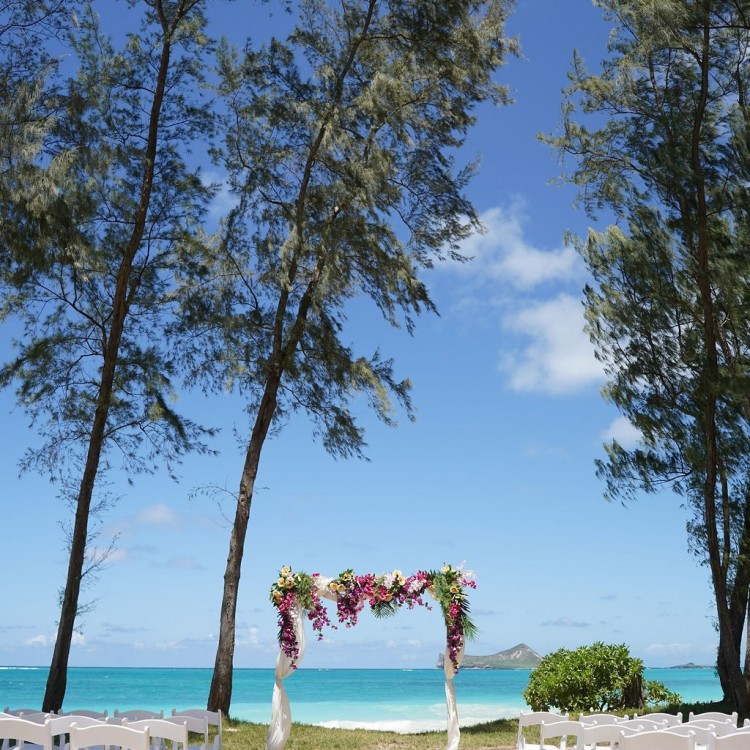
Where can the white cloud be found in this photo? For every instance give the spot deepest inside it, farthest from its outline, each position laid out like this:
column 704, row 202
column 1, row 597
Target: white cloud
column 558, row 356
column 669, row 648
column 106, row 555
column 39, row 640
column 158, row 514
column 621, row 430
column 564, row 622
column 502, row 254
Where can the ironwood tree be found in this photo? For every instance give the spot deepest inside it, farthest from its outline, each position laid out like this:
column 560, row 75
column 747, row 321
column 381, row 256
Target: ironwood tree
column 93, row 228
column 667, row 153
column 340, row 149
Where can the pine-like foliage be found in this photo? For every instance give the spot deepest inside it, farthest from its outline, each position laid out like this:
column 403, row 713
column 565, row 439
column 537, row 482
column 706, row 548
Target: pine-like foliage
column 339, row 151
column 669, row 313
column 93, row 221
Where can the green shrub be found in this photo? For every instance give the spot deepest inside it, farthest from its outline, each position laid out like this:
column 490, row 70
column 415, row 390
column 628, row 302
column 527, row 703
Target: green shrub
column 600, row 677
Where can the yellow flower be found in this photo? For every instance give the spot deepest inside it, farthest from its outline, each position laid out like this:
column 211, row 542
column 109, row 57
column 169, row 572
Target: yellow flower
column 333, row 586
column 280, row 582
column 286, row 570
column 455, row 589
column 277, row 596
column 388, row 597
column 446, row 568
column 397, row 574
column 289, row 583
column 341, row 588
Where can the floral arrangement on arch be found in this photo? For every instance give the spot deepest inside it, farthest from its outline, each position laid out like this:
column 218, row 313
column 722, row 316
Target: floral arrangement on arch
column 385, row 594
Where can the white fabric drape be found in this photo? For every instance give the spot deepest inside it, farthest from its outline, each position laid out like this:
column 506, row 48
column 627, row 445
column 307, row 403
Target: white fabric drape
column 454, row 733
column 281, row 713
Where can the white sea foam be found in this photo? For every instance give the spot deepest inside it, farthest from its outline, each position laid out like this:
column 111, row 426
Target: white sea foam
column 401, row 726
column 480, row 715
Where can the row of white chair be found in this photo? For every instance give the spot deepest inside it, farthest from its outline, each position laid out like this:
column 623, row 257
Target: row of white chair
column 100, row 734
column 591, row 730
column 199, row 721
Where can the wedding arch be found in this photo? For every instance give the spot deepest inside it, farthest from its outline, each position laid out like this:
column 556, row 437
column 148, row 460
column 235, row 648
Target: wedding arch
column 300, row 595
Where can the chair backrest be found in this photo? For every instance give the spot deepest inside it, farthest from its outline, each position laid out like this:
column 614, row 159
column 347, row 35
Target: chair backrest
column 62, row 724
column 602, row 719
column 17, row 711
column 714, row 716
column 739, row 740
column 39, row 717
column 87, row 713
column 659, row 740
column 645, row 725
column 107, row 735
column 595, row 734
column 213, row 718
column 672, row 719
column 193, row 724
column 719, row 728
column 703, row 735
column 535, row 718
column 25, row 731
column 161, row 729
column 138, row 714
column 563, row 730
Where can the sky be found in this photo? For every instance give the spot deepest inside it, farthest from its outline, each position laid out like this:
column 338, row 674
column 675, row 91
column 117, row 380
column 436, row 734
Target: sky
column 497, row 470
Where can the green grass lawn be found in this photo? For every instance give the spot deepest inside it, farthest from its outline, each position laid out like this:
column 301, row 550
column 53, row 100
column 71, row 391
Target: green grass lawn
column 241, row 735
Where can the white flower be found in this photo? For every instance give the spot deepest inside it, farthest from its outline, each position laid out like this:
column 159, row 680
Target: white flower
column 415, row 585
column 388, row 580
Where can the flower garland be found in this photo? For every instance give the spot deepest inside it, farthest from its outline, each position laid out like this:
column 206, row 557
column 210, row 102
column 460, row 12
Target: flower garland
column 385, row 594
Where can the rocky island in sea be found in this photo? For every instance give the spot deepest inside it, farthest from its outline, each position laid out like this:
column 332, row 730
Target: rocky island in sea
column 518, row 657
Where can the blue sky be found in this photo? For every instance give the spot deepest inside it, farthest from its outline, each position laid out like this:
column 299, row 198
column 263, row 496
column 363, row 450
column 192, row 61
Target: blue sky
column 497, row 470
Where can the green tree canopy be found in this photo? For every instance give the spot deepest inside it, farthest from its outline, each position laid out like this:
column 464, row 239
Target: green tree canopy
column 340, row 149
column 92, row 228
column 666, row 151
column 600, row 677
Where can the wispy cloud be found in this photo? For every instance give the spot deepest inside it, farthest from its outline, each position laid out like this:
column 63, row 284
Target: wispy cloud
column 158, row 514
column 556, row 356
column 564, row 622
column 183, row 563
column 502, row 254
column 669, row 648
column 621, row 430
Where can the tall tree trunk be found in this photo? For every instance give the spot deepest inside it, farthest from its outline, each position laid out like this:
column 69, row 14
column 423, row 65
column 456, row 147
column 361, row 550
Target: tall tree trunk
column 220, row 693
column 738, row 697
column 124, row 290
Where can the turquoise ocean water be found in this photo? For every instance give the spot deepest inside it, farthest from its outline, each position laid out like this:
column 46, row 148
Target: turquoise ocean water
column 397, row 699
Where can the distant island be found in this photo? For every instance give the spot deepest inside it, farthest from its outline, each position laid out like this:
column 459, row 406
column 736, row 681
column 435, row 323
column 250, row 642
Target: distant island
column 518, row 657
column 691, row 665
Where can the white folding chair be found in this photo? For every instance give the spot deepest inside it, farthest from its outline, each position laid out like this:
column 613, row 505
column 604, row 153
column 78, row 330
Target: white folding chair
column 560, row 730
column 24, row 733
column 60, row 726
column 714, row 716
column 195, row 725
column 602, row 719
column 604, row 734
column 101, row 715
column 704, row 736
column 534, row 719
column 138, row 714
column 659, row 740
column 160, row 730
column 107, row 735
column 644, row 725
column 739, row 740
column 18, row 711
column 719, row 728
column 672, row 720
column 214, row 719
